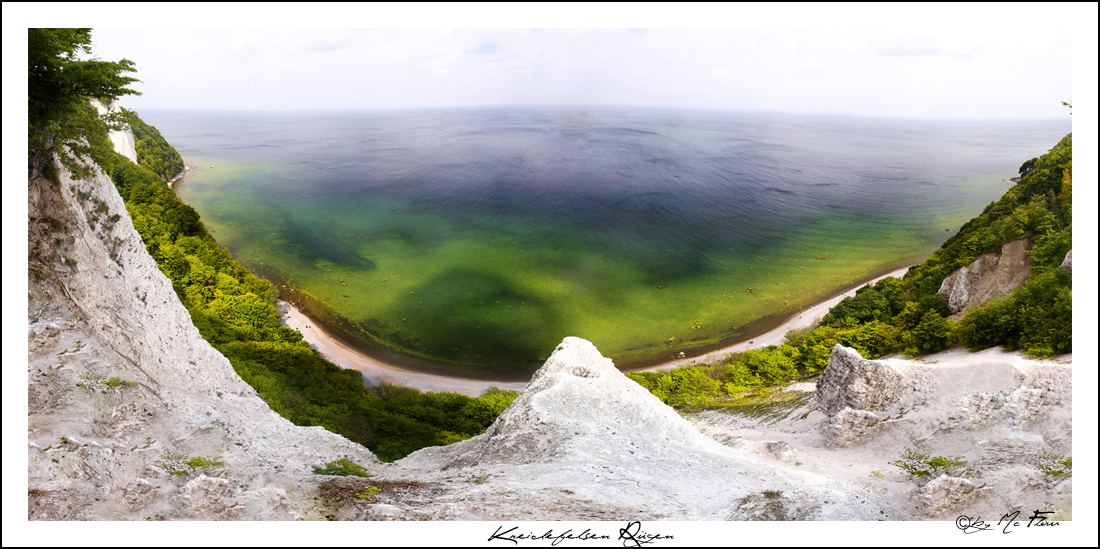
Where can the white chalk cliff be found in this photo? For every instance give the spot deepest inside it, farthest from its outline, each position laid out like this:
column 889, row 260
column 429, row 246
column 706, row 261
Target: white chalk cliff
column 122, row 141
column 92, row 449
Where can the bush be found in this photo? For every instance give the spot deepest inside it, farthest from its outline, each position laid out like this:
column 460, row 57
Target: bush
column 919, row 465
column 686, row 386
column 342, row 467
column 1055, row 465
column 932, row 335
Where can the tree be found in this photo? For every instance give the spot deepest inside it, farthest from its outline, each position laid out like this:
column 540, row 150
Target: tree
column 1026, row 167
column 59, row 85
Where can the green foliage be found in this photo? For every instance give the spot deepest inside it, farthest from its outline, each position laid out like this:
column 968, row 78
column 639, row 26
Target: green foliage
column 178, row 464
column 59, row 85
column 1026, row 167
column 98, row 382
column 769, row 366
column 342, row 467
column 368, row 493
column 933, row 334
column 919, row 465
column 1037, row 318
column 686, row 386
column 796, row 336
column 735, row 374
column 1055, row 465
column 879, row 302
column 235, row 312
column 199, row 462
column 153, row 151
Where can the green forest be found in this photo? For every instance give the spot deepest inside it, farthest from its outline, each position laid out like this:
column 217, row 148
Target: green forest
column 907, row 316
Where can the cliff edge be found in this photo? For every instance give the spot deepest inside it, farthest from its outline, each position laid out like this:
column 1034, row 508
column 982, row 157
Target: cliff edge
column 124, row 394
column 132, row 416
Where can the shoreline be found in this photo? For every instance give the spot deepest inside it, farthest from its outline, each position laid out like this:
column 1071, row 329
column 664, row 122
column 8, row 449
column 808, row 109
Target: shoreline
column 776, row 335
column 375, row 371
column 186, row 168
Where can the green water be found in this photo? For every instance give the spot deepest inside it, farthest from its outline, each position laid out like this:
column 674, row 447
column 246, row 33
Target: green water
column 472, row 241
column 514, row 293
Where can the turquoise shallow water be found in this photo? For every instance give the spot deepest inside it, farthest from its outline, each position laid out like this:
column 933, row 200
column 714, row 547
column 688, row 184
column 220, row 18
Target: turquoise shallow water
column 473, row 240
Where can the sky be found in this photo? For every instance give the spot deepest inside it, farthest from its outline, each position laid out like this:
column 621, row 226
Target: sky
column 924, row 62
column 940, row 74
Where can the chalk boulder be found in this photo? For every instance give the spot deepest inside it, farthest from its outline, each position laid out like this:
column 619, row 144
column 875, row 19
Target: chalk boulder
column 991, row 275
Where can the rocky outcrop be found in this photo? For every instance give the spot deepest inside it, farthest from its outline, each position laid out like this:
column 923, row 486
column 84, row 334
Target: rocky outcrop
column 850, row 381
column 122, row 141
column 850, row 391
column 945, row 493
column 122, row 388
column 991, row 275
column 582, row 434
column 859, row 397
column 577, row 394
column 1067, row 263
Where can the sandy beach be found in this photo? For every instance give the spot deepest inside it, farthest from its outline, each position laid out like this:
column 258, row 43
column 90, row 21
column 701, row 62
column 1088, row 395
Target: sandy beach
column 776, row 335
column 375, row 371
column 181, row 175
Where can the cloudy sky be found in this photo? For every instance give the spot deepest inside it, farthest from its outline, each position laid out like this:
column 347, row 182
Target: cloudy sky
column 887, row 61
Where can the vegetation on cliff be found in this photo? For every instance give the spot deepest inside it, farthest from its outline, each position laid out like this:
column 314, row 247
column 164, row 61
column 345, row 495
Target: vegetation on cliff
column 908, row 316
column 59, row 85
column 153, row 151
column 233, row 310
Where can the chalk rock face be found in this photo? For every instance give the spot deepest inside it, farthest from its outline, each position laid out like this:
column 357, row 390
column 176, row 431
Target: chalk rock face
column 99, row 308
column 850, row 381
column 991, row 275
column 850, row 391
column 123, row 141
column 577, row 394
column 850, row 427
column 585, row 439
column 947, row 492
column 1067, row 263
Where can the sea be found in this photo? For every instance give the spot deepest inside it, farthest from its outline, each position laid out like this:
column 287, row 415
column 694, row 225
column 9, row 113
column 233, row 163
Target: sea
column 470, row 241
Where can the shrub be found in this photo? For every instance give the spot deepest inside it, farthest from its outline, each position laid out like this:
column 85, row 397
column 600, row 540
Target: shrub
column 342, row 467
column 919, row 465
column 1055, row 465
column 932, row 335
column 684, row 386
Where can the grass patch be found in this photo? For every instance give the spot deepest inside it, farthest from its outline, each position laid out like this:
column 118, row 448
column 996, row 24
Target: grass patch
column 177, row 464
